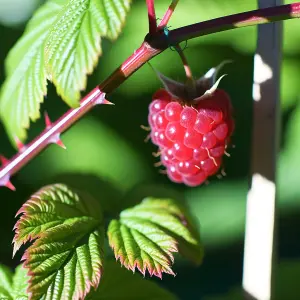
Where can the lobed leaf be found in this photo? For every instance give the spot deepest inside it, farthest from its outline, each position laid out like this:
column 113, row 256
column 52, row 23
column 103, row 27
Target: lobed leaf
column 66, row 258
column 147, row 235
column 74, row 42
column 62, row 43
column 26, row 83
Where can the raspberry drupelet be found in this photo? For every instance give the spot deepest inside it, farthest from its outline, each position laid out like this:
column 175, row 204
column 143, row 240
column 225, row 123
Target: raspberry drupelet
column 191, row 136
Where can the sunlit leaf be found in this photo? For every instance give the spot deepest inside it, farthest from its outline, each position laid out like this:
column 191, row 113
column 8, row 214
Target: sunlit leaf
column 25, row 85
column 146, row 236
column 74, row 43
column 66, row 256
column 62, row 42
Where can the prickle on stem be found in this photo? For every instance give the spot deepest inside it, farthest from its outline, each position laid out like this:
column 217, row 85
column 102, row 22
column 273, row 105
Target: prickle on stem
column 5, row 180
column 55, row 139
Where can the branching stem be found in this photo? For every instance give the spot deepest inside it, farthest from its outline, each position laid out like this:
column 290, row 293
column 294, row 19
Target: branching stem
column 165, row 20
column 250, row 18
column 153, row 45
column 188, row 71
column 151, row 16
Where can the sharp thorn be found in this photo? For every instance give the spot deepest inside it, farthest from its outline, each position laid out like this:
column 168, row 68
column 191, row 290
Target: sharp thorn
column 3, row 160
column 19, row 144
column 100, row 99
column 47, row 120
column 10, row 185
column 56, row 140
column 61, row 144
column 105, row 101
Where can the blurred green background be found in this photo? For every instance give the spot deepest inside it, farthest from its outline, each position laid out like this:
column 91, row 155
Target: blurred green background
column 107, row 156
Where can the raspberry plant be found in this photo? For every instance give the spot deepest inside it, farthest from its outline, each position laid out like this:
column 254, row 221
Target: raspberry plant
column 191, row 124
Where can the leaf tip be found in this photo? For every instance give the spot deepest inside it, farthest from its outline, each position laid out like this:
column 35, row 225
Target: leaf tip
column 215, row 86
column 20, row 211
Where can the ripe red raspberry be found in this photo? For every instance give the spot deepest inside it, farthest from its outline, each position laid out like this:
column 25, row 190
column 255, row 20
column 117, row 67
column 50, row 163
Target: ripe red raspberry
column 191, row 138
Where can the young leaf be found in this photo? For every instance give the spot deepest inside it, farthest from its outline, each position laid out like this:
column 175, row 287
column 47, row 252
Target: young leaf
column 129, row 286
column 147, row 235
column 66, row 257
column 25, row 85
column 13, row 287
column 74, row 42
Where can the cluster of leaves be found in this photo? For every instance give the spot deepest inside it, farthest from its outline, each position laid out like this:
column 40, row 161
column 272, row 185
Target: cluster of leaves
column 61, row 43
column 65, row 259
column 14, row 286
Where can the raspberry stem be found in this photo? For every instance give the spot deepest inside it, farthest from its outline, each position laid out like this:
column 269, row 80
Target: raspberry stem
column 152, row 46
column 190, row 82
column 166, row 18
column 249, row 18
column 151, row 16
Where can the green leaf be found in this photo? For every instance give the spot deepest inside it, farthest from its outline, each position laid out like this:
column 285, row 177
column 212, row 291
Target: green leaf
column 62, row 43
column 74, row 42
column 147, row 235
column 5, row 283
column 129, row 286
column 13, row 286
column 25, row 85
column 65, row 260
column 20, row 283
